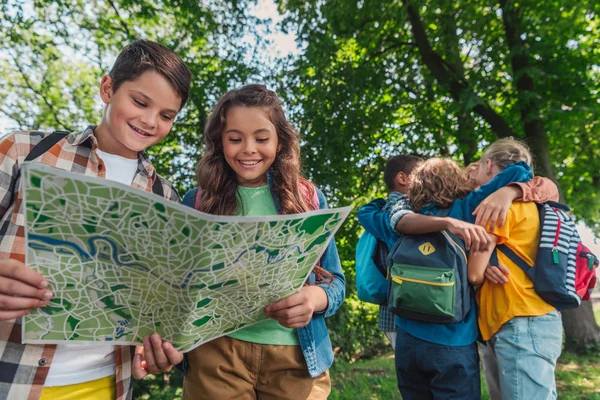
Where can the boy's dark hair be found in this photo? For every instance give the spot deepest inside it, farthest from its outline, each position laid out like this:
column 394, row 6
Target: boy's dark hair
column 145, row 55
column 400, row 163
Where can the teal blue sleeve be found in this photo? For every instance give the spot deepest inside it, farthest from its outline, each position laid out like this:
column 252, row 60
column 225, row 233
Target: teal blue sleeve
column 463, row 208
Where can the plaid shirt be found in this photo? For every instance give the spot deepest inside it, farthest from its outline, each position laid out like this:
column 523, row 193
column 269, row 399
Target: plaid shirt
column 23, row 368
column 398, row 206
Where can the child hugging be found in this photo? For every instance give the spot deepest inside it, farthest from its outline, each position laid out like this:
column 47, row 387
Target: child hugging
column 523, row 333
column 252, row 167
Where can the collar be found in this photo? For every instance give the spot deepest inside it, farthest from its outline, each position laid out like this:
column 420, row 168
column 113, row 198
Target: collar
column 87, row 138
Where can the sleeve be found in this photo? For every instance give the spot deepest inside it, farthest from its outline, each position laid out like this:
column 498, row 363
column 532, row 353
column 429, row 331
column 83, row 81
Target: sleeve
column 171, row 193
column 190, row 198
column 8, row 172
column 336, row 290
column 375, row 221
column 518, row 172
column 503, row 233
column 399, row 209
column 538, row 190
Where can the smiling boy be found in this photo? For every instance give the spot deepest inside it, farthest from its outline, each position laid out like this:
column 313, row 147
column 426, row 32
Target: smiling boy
column 146, row 88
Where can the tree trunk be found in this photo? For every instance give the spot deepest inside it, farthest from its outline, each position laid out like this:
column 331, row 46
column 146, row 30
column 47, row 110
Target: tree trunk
column 456, row 84
column 581, row 330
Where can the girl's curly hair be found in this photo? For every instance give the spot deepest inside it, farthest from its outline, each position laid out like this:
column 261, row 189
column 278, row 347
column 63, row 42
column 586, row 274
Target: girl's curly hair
column 439, row 181
column 218, row 180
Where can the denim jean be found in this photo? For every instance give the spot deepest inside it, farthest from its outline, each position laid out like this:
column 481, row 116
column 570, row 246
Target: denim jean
column 525, row 350
column 428, row 370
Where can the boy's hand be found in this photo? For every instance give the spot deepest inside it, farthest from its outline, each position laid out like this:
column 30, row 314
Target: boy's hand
column 21, row 289
column 497, row 274
column 295, row 311
column 491, row 212
column 154, row 357
column 475, row 237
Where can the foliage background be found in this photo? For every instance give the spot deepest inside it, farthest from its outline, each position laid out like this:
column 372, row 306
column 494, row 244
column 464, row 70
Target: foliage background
column 371, row 78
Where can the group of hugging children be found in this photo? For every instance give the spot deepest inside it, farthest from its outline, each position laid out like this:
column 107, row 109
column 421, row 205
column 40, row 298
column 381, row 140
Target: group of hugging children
column 251, row 167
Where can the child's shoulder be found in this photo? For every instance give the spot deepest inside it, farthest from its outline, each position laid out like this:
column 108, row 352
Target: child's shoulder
column 32, row 137
column 521, row 210
column 18, row 144
column 189, row 199
column 169, row 191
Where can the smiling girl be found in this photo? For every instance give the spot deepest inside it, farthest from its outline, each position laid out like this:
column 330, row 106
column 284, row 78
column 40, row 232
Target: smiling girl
column 252, row 167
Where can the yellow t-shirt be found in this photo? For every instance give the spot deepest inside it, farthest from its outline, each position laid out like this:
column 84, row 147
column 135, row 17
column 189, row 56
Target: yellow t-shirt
column 99, row 389
column 498, row 303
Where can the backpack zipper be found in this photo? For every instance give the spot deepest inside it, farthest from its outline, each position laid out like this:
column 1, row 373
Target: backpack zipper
column 456, row 244
column 555, row 248
column 399, row 280
column 591, row 259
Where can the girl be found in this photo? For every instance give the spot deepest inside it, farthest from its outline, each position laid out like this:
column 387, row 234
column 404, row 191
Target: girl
column 523, row 332
column 252, row 167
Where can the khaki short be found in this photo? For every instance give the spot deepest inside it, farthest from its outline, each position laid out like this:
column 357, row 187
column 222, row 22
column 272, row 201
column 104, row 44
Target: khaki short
column 227, row 368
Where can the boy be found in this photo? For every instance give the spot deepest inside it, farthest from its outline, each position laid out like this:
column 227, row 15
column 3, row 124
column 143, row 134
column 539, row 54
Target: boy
column 145, row 89
column 395, row 176
column 374, row 217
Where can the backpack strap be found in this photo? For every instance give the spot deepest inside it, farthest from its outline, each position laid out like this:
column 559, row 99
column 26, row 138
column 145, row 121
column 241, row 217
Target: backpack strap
column 512, row 256
column 380, row 256
column 46, row 144
column 43, row 146
column 306, row 187
column 157, row 187
column 198, row 198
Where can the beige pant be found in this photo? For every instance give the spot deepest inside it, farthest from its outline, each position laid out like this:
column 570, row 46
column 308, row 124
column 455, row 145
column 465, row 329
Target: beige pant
column 227, row 368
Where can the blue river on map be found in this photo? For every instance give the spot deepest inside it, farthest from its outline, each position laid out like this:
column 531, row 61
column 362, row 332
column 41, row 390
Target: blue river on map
column 42, row 243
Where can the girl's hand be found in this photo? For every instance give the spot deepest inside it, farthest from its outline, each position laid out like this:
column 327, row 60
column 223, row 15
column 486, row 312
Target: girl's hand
column 21, row 289
column 154, row 357
column 497, row 274
column 296, row 310
column 491, row 212
column 475, row 237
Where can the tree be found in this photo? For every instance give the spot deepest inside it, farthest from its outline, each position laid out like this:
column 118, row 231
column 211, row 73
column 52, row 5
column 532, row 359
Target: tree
column 53, row 54
column 448, row 78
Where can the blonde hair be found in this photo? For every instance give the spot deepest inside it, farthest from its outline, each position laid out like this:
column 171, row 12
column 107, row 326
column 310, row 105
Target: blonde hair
column 507, row 151
column 439, row 181
column 472, row 168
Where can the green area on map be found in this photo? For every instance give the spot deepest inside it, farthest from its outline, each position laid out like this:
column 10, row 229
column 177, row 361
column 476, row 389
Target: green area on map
column 123, row 263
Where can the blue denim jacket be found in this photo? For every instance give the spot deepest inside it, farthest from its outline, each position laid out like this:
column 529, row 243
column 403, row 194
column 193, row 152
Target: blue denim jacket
column 314, row 338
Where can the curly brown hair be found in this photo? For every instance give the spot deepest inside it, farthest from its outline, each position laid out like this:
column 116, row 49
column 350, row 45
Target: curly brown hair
column 439, row 181
column 218, row 180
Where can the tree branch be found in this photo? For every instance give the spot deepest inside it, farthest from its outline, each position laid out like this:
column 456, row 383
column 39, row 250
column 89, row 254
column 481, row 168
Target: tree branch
column 121, row 21
column 457, row 86
column 39, row 94
column 528, row 103
column 15, row 117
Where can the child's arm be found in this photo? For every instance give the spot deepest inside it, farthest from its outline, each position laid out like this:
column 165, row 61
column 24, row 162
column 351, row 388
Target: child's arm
column 474, row 236
column 518, row 172
column 493, row 209
column 375, row 221
column 321, row 299
column 21, row 288
column 478, row 263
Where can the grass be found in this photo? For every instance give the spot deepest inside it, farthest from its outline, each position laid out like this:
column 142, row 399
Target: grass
column 578, row 378
column 373, row 379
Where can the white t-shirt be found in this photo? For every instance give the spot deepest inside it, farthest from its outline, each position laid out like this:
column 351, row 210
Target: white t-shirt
column 77, row 363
